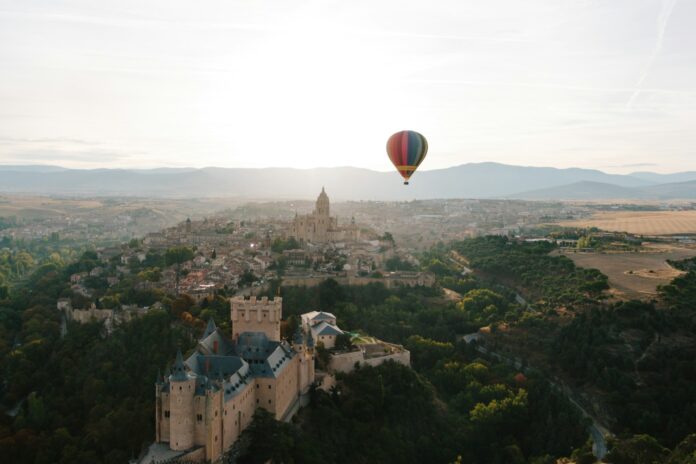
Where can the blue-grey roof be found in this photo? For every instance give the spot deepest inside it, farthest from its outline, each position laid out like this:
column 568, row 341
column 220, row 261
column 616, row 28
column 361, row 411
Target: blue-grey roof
column 234, row 365
column 212, row 366
column 325, row 328
column 298, row 338
column 237, row 382
column 210, row 329
column 179, row 371
column 207, row 344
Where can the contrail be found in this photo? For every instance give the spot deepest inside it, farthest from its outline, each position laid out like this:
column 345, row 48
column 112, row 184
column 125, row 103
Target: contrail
column 662, row 20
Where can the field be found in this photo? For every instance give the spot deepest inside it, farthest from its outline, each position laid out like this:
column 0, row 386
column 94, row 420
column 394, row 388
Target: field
column 640, row 222
column 635, row 275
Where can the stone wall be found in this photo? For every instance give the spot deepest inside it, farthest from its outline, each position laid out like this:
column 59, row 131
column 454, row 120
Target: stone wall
column 345, row 362
column 417, row 279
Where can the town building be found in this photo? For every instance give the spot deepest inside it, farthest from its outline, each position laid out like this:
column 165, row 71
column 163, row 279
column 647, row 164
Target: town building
column 322, row 326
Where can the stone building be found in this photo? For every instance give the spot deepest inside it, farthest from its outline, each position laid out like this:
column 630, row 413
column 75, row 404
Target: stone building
column 210, row 397
column 320, row 227
column 322, row 326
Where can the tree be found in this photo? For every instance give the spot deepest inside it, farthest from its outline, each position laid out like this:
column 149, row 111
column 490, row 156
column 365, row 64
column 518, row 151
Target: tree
column 343, row 342
column 639, row 449
column 178, row 255
column 247, row 278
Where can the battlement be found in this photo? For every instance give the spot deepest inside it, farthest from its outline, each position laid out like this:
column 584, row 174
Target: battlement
column 256, row 315
column 242, row 302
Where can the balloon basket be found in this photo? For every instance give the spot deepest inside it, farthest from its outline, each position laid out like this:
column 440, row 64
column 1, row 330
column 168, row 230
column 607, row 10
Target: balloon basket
column 405, row 182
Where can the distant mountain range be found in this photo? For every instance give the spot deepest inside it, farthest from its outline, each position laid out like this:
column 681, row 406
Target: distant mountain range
column 475, row 180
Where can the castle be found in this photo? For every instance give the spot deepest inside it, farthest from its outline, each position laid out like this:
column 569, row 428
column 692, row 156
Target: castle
column 320, row 227
column 210, row 398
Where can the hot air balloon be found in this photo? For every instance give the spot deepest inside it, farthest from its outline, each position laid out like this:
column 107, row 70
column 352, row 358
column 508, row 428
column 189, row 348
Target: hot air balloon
column 407, row 150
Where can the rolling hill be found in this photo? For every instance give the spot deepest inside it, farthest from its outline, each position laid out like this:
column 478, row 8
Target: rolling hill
column 475, row 180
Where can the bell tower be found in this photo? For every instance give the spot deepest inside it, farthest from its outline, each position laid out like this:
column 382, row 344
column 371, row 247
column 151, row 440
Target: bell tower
column 322, row 208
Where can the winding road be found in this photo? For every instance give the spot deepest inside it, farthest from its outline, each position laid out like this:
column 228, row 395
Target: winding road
column 597, row 431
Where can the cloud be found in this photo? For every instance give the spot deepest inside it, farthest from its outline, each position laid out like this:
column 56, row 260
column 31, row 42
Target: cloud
column 96, row 157
column 46, row 140
column 662, row 20
column 131, row 22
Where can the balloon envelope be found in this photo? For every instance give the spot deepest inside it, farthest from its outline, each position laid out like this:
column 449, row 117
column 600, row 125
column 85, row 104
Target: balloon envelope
column 407, row 150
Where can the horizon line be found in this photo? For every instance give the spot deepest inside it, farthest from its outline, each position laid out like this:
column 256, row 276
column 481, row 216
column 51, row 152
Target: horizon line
column 3, row 165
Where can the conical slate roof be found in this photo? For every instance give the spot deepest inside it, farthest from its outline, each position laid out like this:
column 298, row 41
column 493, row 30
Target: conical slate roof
column 298, row 338
column 210, row 329
column 179, row 371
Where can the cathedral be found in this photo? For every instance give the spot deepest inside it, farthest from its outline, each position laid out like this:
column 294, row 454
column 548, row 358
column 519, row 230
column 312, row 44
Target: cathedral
column 320, row 227
column 210, row 397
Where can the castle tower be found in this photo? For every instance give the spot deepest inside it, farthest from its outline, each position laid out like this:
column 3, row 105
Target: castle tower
column 322, row 207
column 182, row 389
column 256, row 315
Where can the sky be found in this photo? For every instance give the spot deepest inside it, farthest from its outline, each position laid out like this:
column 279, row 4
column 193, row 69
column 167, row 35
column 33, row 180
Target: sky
column 600, row 84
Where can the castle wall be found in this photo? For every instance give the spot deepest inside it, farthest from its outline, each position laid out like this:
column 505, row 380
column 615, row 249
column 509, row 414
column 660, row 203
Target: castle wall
column 286, row 390
column 214, row 439
column 345, row 362
column 418, row 279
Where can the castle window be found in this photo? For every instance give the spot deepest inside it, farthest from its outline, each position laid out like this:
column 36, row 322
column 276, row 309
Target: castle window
column 257, row 401
column 199, row 417
column 215, row 413
column 166, row 414
column 269, row 387
column 269, row 401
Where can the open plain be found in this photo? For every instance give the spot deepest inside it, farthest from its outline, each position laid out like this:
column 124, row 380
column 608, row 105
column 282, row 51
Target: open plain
column 640, row 222
column 635, row 274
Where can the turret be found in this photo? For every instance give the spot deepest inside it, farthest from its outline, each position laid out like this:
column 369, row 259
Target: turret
column 182, row 387
column 310, row 342
column 209, row 329
column 298, row 341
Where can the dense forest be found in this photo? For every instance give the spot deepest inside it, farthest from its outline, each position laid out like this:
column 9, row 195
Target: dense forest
column 636, row 359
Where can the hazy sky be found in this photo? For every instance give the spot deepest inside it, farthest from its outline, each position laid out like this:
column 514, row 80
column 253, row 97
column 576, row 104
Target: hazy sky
column 607, row 84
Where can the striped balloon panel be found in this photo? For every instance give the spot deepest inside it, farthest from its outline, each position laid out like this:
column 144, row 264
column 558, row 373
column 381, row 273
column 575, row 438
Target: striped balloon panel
column 406, row 150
